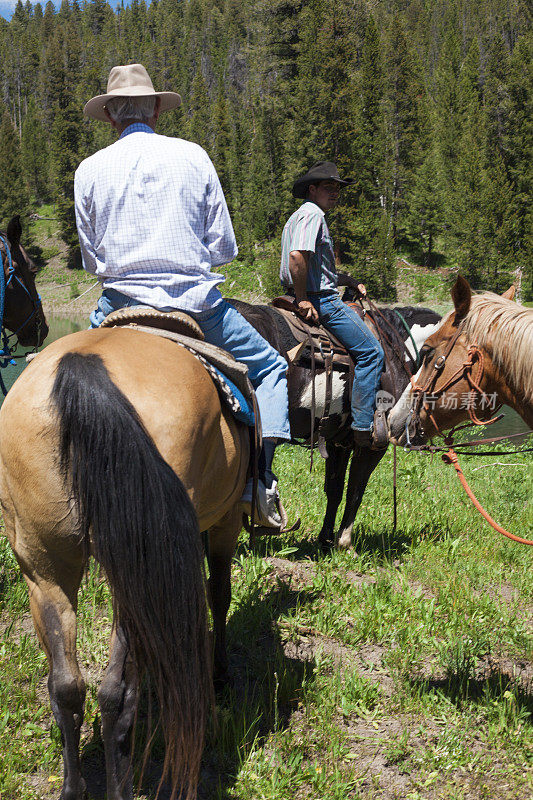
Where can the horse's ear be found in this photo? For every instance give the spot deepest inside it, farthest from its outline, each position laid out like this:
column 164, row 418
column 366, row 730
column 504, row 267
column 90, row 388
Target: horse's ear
column 510, row 293
column 461, row 296
column 14, row 231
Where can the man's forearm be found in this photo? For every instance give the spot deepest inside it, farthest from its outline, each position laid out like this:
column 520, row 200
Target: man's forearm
column 298, row 267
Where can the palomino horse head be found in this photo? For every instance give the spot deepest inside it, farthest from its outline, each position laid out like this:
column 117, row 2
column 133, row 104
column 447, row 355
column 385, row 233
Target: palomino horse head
column 23, row 312
column 479, row 358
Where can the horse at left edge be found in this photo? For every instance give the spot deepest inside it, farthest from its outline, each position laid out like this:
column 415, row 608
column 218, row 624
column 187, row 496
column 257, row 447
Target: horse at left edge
column 21, row 310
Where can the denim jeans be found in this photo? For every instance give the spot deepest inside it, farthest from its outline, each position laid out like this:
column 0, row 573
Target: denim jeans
column 363, row 347
column 225, row 327
column 110, row 300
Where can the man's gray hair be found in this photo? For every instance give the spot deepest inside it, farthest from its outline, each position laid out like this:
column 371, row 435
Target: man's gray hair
column 123, row 108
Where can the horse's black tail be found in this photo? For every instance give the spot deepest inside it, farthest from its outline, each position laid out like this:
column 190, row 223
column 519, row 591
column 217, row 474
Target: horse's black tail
column 144, row 533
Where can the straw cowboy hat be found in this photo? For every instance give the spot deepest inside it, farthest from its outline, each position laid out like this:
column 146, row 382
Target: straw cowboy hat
column 321, row 171
column 131, row 80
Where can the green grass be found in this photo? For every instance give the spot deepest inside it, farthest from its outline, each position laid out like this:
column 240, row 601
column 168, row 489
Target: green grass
column 401, row 668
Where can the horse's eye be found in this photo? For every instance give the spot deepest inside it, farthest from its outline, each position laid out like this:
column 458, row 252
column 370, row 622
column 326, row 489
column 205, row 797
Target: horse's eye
column 425, row 352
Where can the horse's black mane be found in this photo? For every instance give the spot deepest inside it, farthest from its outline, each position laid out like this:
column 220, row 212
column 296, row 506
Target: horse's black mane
column 413, row 315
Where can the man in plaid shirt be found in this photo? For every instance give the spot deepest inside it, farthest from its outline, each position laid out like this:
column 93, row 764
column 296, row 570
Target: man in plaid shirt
column 153, row 224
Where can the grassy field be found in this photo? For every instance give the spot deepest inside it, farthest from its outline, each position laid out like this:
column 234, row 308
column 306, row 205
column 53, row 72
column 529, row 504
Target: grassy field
column 401, row 669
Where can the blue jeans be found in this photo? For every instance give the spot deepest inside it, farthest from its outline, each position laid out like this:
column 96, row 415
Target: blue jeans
column 363, row 347
column 224, row 327
column 110, row 300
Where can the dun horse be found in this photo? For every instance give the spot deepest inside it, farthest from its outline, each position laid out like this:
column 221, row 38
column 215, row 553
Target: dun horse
column 114, row 443
column 481, row 352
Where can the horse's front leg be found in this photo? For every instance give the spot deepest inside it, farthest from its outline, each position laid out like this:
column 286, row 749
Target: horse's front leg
column 336, row 465
column 363, row 464
column 222, row 541
column 117, row 698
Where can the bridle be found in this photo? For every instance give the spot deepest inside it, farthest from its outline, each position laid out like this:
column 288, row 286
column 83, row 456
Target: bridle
column 475, row 357
column 10, row 340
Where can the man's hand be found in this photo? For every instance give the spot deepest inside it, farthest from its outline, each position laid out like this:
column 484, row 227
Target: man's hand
column 308, row 311
column 361, row 289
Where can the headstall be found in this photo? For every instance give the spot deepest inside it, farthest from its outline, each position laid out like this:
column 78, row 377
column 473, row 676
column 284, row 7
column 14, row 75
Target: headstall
column 10, row 340
column 430, row 389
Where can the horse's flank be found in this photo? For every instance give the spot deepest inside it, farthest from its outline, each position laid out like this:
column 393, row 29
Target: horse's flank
column 505, row 330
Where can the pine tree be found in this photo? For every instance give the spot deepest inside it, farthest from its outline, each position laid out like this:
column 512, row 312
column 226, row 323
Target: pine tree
column 407, row 125
column 66, row 131
column 517, row 147
column 34, row 152
column 447, row 117
column 199, row 121
column 370, row 231
column 499, row 224
column 425, row 206
column 13, row 193
column 222, row 137
column 369, row 143
column 467, row 215
column 372, row 253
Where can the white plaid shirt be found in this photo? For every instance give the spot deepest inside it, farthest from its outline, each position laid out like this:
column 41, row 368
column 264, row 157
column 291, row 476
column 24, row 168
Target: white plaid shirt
column 152, row 220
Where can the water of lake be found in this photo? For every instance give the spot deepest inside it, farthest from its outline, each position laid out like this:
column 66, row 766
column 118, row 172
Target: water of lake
column 59, row 326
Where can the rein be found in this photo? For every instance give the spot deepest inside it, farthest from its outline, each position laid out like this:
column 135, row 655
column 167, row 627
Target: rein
column 466, row 371
column 7, row 356
column 396, row 345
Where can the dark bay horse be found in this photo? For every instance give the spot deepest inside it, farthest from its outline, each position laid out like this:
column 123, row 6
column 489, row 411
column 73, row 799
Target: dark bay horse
column 414, row 322
column 22, row 309
column 114, row 443
column 480, row 357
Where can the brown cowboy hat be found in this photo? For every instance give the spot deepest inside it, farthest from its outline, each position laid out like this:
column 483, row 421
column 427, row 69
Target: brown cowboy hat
column 131, row 80
column 321, row 171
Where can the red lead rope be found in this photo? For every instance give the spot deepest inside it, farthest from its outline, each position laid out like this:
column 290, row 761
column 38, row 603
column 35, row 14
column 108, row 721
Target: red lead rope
column 451, row 458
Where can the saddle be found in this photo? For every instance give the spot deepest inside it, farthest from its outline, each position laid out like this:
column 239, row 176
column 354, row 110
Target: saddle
column 324, row 351
column 323, row 346
column 229, row 376
column 173, row 321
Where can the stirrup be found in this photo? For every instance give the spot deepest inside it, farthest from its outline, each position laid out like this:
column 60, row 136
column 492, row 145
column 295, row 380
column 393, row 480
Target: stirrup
column 380, row 431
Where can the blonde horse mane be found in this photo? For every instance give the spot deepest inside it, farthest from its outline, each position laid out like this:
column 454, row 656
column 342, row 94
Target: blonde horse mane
column 505, row 330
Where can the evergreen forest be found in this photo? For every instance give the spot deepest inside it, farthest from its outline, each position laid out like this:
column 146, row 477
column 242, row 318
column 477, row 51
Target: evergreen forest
column 426, row 103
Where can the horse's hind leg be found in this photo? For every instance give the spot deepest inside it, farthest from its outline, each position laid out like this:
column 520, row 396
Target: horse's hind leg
column 222, row 540
column 364, row 462
column 53, row 589
column 117, row 698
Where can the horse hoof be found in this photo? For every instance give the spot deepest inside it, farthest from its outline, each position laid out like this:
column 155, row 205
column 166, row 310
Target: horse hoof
column 221, row 680
column 326, row 544
column 78, row 793
column 345, row 542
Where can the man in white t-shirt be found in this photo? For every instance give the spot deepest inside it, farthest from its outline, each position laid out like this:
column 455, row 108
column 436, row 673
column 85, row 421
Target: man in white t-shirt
column 308, row 269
